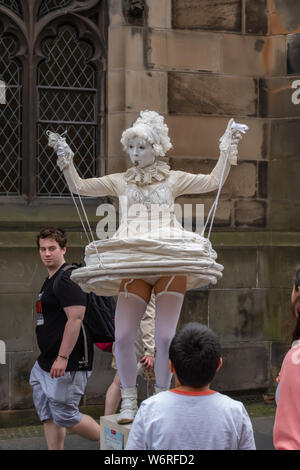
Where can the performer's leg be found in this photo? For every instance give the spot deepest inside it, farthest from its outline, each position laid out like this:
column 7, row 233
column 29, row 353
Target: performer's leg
column 171, row 284
column 131, row 305
column 169, row 300
column 138, row 287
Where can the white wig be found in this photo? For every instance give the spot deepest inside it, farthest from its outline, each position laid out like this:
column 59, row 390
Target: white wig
column 151, row 127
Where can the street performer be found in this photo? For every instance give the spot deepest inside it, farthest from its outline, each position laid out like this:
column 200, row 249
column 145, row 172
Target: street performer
column 150, row 249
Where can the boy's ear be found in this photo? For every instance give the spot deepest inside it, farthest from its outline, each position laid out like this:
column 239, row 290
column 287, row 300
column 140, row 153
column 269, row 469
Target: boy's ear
column 171, row 367
column 220, row 364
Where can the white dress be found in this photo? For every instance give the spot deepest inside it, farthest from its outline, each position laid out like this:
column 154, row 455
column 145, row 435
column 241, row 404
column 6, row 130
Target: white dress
column 160, row 247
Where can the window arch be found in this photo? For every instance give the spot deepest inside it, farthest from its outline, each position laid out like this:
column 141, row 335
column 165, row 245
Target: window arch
column 50, row 5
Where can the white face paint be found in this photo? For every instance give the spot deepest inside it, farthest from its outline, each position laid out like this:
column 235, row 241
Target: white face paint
column 140, row 152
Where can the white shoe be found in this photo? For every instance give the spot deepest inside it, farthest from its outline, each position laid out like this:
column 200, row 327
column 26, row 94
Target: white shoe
column 129, row 405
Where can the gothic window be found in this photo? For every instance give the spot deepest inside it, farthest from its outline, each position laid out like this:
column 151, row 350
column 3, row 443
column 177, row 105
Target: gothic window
column 52, row 63
column 67, row 101
column 10, row 117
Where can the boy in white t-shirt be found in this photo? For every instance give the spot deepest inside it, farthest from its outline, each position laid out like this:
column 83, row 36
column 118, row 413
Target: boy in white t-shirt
column 192, row 416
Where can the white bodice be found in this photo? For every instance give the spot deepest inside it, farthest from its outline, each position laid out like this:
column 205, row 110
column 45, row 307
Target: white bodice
column 147, row 195
column 145, row 208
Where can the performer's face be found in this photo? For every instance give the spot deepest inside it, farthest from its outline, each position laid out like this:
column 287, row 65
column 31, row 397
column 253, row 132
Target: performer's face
column 140, row 152
column 52, row 255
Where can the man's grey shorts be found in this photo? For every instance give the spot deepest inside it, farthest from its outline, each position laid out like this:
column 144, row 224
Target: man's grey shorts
column 58, row 399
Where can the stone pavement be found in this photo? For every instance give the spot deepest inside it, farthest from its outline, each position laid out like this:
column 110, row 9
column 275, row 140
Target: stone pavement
column 31, row 438
column 263, row 432
column 72, row 442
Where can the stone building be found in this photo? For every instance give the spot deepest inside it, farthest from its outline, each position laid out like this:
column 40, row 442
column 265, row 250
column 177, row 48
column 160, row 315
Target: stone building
column 90, row 67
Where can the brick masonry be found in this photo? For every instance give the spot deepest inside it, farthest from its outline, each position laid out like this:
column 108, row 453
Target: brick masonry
column 256, row 17
column 204, row 14
column 192, row 93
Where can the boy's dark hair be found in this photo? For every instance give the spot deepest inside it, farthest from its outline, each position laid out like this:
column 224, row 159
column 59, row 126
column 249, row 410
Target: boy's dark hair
column 55, row 233
column 195, row 353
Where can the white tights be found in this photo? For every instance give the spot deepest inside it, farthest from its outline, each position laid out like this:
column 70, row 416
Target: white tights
column 129, row 312
column 168, row 308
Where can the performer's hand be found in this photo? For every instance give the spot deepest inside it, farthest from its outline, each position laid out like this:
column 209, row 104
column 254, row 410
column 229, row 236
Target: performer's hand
column 226, row 137
column 147, row 361
column 58, row 368
column 57, row 142
column 234, row 130
column 238, row 127
column 62, row 147
column 231, row 139
column 236, row 137
column 53, row 139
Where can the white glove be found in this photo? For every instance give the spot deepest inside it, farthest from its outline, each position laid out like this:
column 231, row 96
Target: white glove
column 62, row 146
column 238, row 127
column 231, row 138
column 62, row 149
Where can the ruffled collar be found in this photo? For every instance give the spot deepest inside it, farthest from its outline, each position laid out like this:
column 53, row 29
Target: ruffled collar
column 156, row 172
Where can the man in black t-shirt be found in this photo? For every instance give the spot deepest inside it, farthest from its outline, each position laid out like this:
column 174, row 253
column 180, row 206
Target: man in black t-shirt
column 60, row 375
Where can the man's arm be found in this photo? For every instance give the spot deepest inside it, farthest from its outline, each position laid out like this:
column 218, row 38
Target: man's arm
column 75, row 316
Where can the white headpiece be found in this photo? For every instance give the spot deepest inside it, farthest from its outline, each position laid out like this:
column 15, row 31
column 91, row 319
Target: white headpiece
column 151, row 127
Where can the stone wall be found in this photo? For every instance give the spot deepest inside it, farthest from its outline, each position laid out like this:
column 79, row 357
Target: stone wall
column 199, row 63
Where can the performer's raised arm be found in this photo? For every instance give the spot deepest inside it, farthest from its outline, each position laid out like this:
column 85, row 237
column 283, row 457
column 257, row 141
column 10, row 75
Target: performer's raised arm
column 95, row 187
column 189, row 183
